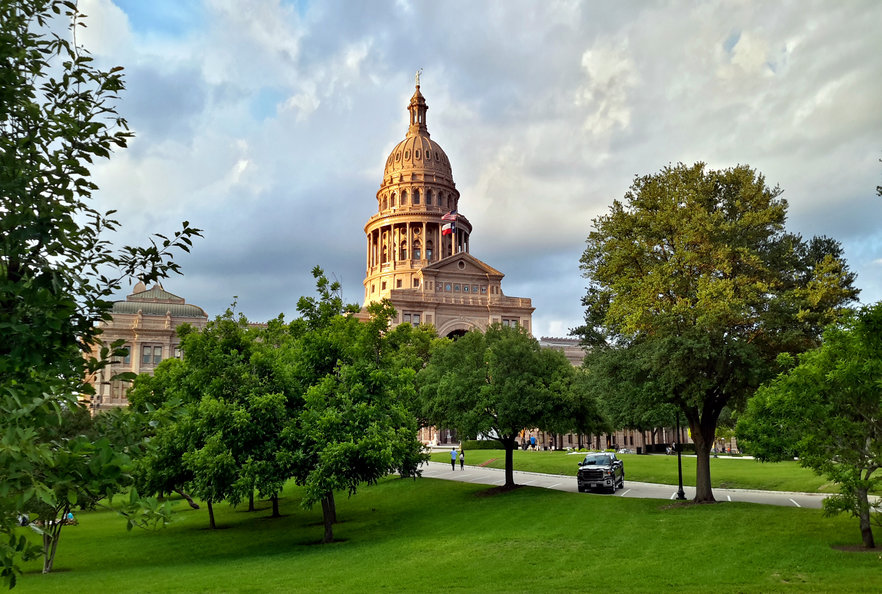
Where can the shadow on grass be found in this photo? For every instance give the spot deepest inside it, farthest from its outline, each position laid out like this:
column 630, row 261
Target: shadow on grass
column 497, row 491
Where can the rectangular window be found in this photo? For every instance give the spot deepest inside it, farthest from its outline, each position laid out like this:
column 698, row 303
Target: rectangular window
column 127, row 358
column 474, row 288
column 407, row 318
column 178, row 353
column 447, row 287
column 456, row 288
column 465, row 288
column 416, row 282
column 146, row 355
column 416, row 319
column 383, row 286
column 483, row 290
column 157, row 355
column 398, row 283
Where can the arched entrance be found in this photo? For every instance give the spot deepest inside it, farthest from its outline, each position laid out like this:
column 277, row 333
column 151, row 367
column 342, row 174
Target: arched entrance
column 454, row 334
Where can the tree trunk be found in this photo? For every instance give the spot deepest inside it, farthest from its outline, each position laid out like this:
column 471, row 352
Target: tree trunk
column 703, row 438
column 864, row 519
column 326, row 516
column 275, row 500
column 251, row 501
column 509, row 444
column 51, row 536
column 332, row 506
column 189, row 499
column 211, row 523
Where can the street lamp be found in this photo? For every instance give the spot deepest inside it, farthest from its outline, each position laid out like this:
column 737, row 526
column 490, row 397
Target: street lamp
column 681, row 495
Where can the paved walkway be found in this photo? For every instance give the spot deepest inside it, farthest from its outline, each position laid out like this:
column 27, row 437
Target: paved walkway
column 496, row 476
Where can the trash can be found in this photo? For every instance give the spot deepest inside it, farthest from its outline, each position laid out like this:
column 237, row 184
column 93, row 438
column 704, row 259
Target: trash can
column 639, row 449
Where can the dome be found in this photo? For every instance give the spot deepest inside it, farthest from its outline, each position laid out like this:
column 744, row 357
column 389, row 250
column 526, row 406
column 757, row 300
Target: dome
column 418, row 153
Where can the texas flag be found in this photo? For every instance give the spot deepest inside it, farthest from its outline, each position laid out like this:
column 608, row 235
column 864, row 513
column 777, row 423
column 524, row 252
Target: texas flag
column 448, row 228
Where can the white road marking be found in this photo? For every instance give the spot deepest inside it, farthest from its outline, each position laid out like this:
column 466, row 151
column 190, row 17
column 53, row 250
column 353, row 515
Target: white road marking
column 673, row 495
column 625, row 493
column 553, row 486
column 796, row 504
column 729, row 497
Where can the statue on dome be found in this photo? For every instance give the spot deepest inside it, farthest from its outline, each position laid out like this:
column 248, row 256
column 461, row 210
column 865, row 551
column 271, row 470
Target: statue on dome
column 417, row 77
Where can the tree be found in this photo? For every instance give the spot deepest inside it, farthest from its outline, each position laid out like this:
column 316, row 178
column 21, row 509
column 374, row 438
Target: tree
column 220, row 415
column 355, row 426
column 626, row 392
column 57, row 267
column 827, row 410
column 695, row 272
column 496, row 383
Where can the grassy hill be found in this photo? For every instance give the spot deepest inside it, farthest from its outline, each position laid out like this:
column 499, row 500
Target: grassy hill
column 433, row 535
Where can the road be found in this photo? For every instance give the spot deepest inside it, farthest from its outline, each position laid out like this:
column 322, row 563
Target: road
column 495, row 476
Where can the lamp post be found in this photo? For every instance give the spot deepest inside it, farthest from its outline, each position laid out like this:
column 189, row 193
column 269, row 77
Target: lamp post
column 681, row 495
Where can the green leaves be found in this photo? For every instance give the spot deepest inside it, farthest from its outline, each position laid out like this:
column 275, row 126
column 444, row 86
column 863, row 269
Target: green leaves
column 57, row 269
column 827, row 410
column 697, row 286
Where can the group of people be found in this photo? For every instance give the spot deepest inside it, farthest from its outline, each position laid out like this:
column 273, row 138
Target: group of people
column 453, row 459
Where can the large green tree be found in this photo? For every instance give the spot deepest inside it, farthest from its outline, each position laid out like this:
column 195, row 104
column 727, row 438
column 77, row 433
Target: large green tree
column 356, row 425
column 827, row 410
column 57, row 267
column 496, row 383
column 694, row 273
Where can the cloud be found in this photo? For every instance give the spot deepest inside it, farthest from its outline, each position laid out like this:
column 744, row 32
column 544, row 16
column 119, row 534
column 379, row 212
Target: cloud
column 267, row 124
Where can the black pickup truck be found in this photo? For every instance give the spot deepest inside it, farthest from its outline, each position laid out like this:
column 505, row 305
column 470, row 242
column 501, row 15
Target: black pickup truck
column 601, row 471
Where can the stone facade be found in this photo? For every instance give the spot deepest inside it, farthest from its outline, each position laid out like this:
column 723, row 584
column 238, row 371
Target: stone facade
column 147, row 320
column 418, row 244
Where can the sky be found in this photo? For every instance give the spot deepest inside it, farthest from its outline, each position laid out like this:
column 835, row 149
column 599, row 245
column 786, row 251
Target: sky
column 267, row 123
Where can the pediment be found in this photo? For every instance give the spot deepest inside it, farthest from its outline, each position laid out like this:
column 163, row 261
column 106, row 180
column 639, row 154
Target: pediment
column 461, row 263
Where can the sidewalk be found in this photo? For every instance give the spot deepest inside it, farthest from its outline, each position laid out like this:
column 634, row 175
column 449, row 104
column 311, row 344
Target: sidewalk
column 496, row 477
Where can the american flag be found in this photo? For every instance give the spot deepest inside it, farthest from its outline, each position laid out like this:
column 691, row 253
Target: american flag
column 450, row 216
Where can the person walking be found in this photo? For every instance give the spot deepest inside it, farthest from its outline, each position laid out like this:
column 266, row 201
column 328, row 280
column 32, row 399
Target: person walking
column 462, row 460
column 452, row 458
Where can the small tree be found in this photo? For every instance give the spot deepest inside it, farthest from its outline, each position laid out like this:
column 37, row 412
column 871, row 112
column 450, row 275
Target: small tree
column 355, row 426
column 827, row 410
column 495, row 383
column 57, row 268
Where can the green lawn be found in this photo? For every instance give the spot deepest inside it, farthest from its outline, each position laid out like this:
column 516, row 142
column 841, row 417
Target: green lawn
column 434, row 535
column 732, row 473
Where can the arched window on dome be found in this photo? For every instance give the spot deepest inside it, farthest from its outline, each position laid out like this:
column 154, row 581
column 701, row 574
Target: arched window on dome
column 417, row 251
column 385, row 203
column 404, row 198
column 402, row 251
column 429, row 246
column 416, row 197
column 449, row 202
column 429, row 198
column 385, row 254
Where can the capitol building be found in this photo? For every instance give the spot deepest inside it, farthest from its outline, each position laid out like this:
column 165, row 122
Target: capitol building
column 417, row 244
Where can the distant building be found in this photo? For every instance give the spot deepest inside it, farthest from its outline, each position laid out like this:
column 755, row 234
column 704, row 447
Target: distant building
column 147, row 320
column 418, row 244
column 571, row 347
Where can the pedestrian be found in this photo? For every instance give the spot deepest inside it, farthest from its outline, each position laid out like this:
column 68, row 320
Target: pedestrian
column 453, row 459
column 462, row 460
